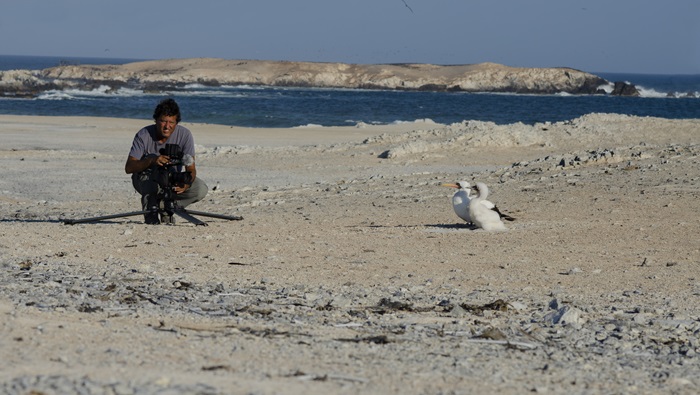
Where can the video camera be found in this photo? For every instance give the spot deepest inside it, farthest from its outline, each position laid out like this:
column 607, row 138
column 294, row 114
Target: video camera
column 171, row 174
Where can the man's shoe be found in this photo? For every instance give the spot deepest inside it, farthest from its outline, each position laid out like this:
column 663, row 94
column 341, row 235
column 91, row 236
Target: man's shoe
column 151, row 218
column 166, row 218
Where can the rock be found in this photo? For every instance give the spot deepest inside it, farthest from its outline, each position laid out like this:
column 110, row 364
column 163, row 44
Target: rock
column 625, row 89
column 566, row 315
column 458, row 312
column 161, row 75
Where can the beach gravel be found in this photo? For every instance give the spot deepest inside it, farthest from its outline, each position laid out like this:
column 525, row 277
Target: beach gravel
column 350, row 272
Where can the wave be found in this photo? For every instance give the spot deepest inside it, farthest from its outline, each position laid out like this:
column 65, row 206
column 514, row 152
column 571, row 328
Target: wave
column 651, row 92
column 102, row 91
column 362, row 124
column 259, row 92
column 105, row 91
column 660, row 85
column 421, row 120
column 55, row 95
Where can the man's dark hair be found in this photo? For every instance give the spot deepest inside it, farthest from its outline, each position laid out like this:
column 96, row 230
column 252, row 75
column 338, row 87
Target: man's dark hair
column 167, row 107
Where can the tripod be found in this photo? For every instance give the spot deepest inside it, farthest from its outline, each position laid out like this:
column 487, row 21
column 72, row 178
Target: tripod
column 170, row 207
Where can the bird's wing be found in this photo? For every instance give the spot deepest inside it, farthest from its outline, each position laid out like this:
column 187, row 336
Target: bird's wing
column 503, row 216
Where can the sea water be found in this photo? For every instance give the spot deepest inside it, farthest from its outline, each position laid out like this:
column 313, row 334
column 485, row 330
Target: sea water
column 664, row 96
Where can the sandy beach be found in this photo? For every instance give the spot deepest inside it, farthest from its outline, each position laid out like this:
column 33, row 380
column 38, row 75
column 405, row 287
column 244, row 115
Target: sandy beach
column 350, row 272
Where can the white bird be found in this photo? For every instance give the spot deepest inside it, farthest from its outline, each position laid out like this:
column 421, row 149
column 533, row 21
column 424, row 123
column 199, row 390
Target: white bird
column 488, row 219
column 462, row 198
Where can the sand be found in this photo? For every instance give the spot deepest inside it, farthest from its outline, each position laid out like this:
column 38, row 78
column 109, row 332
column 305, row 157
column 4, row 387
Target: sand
column 350, row 273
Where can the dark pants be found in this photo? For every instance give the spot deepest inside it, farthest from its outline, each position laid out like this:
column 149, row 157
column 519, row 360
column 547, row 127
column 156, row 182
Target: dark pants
column 146, row 184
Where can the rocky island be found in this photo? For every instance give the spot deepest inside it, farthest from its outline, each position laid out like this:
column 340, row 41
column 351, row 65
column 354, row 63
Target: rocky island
column 169, row 74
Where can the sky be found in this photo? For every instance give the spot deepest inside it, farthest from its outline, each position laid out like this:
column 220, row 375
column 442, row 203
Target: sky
column 625, row 36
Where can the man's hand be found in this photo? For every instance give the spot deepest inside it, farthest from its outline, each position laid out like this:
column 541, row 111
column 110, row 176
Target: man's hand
column 178, row 190
column 134, row 165
column 162, row 160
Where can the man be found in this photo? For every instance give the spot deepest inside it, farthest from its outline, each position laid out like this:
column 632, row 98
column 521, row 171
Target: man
column 145, row 157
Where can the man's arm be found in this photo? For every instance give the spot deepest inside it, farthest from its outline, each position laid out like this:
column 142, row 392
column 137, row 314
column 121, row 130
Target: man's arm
column 192, row 169
column 134, row 165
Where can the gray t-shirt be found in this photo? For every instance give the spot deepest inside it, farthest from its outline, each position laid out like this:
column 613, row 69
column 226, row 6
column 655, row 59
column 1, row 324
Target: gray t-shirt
column 146, row 144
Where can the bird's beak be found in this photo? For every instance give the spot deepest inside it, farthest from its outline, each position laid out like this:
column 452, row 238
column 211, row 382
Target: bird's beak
column 450, row 185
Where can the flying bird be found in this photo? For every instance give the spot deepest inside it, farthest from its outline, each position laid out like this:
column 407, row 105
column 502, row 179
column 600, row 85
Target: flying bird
column 488, row 219
column 462, row 198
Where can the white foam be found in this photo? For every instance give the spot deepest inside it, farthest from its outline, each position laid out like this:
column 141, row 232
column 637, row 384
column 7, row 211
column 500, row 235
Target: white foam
column 128, row 92
column 101, row 91
column 195, row 86
column 420, row 120
column 608, row 88
column 55, row 95
column 644, row 92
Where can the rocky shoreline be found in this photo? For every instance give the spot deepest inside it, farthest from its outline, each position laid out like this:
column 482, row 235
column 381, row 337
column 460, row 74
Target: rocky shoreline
column 173, row 74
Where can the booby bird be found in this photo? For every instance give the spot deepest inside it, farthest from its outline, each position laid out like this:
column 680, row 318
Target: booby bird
column 485, row 218
column 462, row 198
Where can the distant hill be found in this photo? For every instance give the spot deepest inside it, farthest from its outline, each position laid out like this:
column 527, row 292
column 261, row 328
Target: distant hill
column 165, row 74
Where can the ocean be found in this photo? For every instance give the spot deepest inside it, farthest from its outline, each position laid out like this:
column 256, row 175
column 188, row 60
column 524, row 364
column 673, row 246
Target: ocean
column 664, row 96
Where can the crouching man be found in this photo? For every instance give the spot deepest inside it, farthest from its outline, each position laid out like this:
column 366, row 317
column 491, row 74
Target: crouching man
column 145, row 158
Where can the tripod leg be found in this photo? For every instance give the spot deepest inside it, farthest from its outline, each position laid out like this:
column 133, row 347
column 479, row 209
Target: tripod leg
column 95, row 219
column 184, row 214
column 220, row 216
